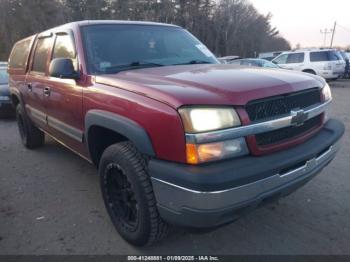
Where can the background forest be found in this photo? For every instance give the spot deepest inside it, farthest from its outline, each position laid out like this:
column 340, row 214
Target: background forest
column 227, row 27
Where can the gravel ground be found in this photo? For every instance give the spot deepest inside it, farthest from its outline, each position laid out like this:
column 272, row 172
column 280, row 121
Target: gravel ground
column 50, row 204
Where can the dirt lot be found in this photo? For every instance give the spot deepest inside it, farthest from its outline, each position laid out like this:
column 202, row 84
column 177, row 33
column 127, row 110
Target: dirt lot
column 50, row 204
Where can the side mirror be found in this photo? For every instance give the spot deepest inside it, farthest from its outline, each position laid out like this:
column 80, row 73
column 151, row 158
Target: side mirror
column 274, row 62
column 63, row 68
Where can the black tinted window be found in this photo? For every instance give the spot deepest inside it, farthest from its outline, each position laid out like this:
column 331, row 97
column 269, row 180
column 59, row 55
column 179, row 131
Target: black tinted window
column 41, row 53
column 19, row 54
column 318, row 56
column 64, row 47
column 322, row 56
column 295, row 58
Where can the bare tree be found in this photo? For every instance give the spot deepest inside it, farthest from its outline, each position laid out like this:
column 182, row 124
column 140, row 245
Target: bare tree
column 225, row 26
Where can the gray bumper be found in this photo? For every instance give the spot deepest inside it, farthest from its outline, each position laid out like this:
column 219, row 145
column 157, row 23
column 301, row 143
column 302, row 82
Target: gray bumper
column 183, row 205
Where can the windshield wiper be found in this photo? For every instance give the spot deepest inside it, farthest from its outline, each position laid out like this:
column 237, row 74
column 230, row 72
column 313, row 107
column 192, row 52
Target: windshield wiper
column 133, row 65
column 195, row 62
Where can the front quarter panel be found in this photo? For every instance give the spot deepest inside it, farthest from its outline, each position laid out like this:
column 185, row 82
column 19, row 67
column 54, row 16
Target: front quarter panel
column 161, row 122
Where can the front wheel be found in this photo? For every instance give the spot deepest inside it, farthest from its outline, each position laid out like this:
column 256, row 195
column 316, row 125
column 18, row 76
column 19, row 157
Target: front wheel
column 128, row 195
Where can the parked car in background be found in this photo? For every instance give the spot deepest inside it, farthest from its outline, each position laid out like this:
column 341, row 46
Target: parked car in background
column 269, row 55
column 177, row 137
column 6, row 108
column 254, row 62
column 346, row 74
column 343, row 55
column 227, row 59
column 323, row 62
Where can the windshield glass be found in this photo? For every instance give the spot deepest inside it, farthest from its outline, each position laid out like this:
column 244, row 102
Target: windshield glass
column 114, row 48
column 3, row 76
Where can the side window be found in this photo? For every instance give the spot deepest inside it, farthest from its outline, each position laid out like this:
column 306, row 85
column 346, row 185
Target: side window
column 41, row 54
column 65, row 48
column 334, row 56
column 295, row 58
column 282, row 59
column 318, row 56
column 19, row 54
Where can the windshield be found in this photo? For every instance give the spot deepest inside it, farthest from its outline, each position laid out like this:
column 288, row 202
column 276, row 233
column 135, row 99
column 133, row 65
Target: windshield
column 3, row 76
column 114, row 48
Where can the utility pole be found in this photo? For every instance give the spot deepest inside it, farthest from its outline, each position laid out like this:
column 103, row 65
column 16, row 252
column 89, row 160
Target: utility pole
column 333, row 33
column 325, row 32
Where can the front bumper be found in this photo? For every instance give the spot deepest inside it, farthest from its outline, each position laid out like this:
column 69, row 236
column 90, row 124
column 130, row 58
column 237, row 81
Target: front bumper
column 214, row 194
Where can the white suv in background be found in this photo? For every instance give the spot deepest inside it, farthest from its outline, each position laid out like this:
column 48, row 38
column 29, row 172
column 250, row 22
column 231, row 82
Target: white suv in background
column 323, row 62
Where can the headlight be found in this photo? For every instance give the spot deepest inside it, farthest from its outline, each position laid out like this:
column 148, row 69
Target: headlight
column 203, row 119
column 206, row 119
column 326, row 92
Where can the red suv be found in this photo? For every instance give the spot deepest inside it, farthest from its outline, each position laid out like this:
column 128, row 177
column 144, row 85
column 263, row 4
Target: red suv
column 177, row 137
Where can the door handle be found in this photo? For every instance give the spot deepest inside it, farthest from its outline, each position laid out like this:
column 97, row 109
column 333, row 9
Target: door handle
column 30, row 87
column 47, row 91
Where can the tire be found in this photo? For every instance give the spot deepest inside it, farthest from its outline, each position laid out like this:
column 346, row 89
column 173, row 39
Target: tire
column 31, row 136
column 128, row 195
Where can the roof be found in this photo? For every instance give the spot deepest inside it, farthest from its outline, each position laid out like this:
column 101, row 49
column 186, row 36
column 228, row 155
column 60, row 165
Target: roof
column 118, row 22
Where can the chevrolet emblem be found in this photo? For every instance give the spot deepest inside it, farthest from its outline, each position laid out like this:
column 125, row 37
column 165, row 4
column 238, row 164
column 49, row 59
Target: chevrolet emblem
column 298, row 117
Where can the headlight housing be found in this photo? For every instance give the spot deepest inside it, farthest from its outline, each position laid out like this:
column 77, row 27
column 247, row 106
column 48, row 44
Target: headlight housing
column 204, row 119
column 198, row 119
column 326, row 92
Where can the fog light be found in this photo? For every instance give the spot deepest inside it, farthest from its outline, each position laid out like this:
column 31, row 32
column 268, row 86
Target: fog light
column 215, row 151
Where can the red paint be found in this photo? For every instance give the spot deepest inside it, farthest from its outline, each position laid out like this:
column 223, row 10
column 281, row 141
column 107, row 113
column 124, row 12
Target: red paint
column 152, row 96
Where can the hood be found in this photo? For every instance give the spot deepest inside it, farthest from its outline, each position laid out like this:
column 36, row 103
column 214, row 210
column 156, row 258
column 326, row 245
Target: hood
column 210, row 84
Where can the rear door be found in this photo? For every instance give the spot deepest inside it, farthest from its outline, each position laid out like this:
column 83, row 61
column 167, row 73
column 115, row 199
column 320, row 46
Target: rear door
column 64, row 101
column 37, row 80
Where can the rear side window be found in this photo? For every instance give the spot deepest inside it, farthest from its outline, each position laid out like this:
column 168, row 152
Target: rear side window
column 41, row 54
column 323, row 56
column 295, row 58
column 19, row 54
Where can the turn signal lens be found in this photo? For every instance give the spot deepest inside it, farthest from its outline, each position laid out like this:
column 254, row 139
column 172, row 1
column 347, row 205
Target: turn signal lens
column 191, row 153
column 215, row 151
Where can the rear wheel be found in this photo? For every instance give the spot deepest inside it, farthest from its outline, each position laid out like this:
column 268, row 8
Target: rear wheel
column 31, row 136
column 128, row 195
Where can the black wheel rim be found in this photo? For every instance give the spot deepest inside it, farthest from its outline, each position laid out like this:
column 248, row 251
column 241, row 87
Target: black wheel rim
column 121, row 198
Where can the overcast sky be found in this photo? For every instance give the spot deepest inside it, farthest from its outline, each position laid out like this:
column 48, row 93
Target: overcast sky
column 300, row 21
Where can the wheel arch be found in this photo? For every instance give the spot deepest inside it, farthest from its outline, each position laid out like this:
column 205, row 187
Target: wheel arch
column 309, row 70
column 111, row 128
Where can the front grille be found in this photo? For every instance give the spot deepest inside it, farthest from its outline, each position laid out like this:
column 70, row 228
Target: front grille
column 283, row 134
column 263, row 109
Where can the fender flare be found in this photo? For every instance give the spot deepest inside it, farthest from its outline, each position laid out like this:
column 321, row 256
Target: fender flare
column 122, row 125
